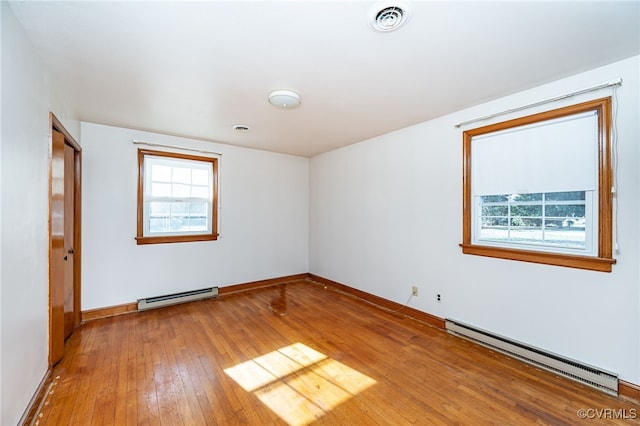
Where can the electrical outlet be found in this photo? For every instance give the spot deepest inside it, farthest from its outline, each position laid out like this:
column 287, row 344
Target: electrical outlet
column 414, row 291
column 438, row 298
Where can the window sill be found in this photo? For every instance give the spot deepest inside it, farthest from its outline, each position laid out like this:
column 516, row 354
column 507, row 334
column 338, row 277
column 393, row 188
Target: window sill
column 176, row 239
column 572, row 261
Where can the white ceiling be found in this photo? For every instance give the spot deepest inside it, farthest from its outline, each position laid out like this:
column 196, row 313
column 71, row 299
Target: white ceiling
column 196, row 69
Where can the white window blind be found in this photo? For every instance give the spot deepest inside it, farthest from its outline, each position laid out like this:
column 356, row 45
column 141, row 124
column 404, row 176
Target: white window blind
column 550, row 156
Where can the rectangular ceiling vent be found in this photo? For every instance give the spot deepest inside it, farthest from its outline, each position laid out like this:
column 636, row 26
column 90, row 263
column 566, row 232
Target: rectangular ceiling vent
column 583, row 373
column 173, row 299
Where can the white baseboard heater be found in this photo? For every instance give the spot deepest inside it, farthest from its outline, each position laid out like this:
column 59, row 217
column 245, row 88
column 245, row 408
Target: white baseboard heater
column 173, row 299
column 583, row 373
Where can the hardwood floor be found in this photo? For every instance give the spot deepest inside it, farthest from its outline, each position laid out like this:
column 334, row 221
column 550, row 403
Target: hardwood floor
column 301, row 353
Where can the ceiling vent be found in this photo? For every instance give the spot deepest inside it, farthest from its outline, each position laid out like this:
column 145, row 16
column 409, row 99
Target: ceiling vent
column 386, row 17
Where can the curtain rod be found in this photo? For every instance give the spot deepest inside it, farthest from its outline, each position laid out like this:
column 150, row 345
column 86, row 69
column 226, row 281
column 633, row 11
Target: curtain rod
column 202, row 151
column 617, row 82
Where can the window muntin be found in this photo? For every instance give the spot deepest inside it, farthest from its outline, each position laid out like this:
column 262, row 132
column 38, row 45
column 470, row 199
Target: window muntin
column 537, row 166
column 177, row 197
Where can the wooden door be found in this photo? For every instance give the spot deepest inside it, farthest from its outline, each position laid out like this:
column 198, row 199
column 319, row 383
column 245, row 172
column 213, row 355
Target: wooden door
column 69, row 234
column 57, row 267
column 64, row 239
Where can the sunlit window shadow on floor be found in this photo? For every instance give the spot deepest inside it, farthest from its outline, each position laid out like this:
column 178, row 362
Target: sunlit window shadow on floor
column 298, row 383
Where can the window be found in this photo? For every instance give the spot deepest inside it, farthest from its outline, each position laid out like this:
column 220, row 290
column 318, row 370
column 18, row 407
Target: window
column 554, row 221
column 538, row 188
column 177, row 197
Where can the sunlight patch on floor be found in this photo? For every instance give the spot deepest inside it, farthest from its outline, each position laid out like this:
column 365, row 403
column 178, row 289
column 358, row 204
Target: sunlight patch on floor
column 298, row 383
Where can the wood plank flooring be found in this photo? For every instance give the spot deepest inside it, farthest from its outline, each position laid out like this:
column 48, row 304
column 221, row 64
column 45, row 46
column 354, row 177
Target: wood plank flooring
column 298, row 354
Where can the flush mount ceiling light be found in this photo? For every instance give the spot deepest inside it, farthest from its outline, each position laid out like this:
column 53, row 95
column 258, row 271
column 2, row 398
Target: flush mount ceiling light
column 388, row 16
column 284, row 98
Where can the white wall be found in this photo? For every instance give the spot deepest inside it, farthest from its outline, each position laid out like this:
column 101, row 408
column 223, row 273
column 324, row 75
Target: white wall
column 27, row 97
column 263, row 221
column 386, row 214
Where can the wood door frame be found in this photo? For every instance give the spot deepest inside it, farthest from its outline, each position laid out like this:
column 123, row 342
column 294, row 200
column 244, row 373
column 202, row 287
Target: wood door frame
column 55, row 124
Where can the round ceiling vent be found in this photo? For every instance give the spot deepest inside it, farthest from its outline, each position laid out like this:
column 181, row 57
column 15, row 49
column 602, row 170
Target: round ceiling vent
column 388, row 16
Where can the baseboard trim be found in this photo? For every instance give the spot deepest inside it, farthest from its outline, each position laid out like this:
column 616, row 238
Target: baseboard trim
column 109, row 311
column 32, row 410
column 386, row 304
column 629, row 390
column 237, row 288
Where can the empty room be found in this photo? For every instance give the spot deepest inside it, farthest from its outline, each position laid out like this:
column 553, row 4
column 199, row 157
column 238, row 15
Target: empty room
column 320, row 212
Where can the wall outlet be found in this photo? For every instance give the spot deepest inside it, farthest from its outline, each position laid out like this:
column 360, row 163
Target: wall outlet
column 414, row 291
column 438, row 298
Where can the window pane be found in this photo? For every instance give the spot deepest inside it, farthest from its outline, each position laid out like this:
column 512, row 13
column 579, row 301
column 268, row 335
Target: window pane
column 159, row 215
column 495, row 210
column 158, row 224
column 160, row 173
column 566, row 210
column 199, row 217
column 200, row 177
column 179, row 209
column 182, row 175
column 160, row 189
column 495, row 198
column 159, row 209
column 534, row 222
column 200, row 192
column 495, row 221
column 526, row 197
column 534, row 210
column 494, row 233
column 523, row 234
column 181, row 191
column 179, row 217
column 525, row 222
column 565, row 237
column 560, row 196
column 198, row 209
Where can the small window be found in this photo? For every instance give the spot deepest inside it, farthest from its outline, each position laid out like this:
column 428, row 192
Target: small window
column 177, row 197
column 538, row 188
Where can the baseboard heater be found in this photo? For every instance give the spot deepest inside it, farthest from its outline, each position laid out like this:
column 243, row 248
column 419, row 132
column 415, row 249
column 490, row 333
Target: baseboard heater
column 583, row 373
column 173, row 299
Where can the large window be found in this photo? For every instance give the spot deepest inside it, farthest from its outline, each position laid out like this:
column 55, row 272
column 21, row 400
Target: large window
column 177, row 197
column 538, row 188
